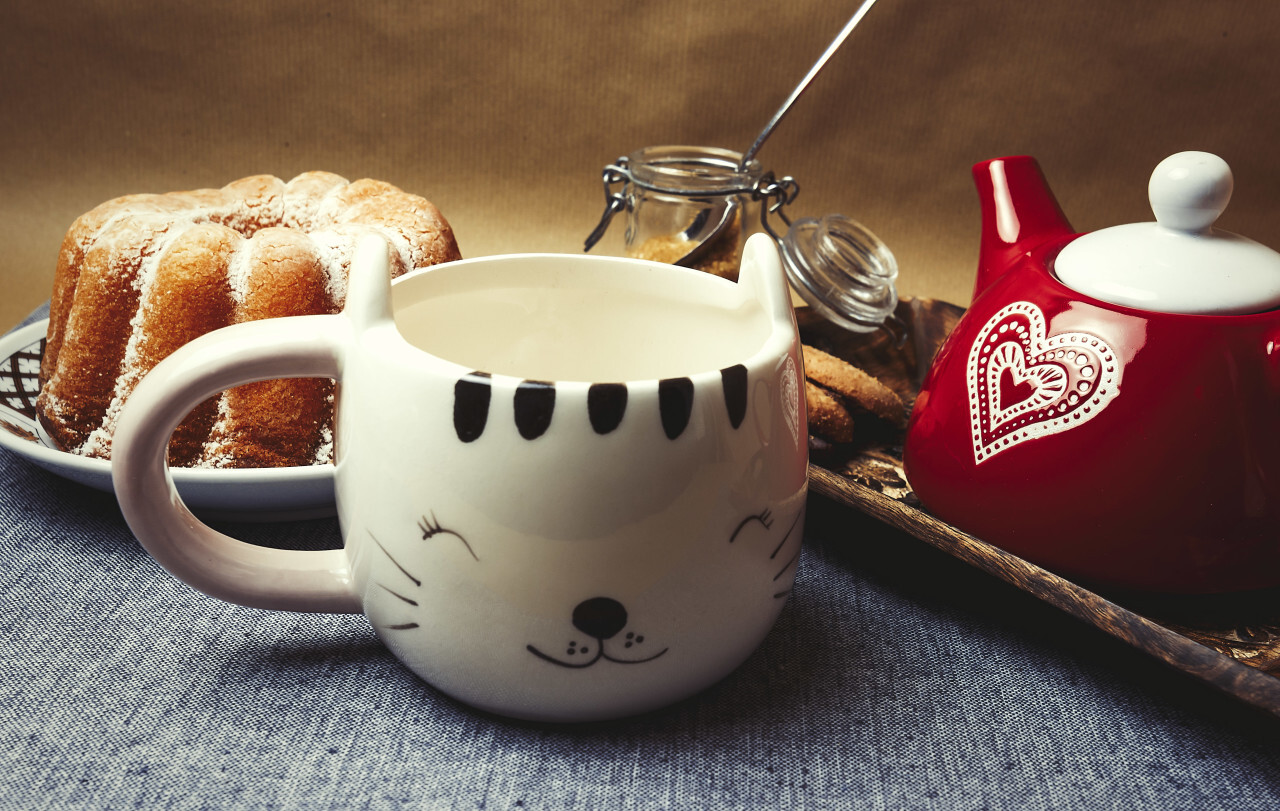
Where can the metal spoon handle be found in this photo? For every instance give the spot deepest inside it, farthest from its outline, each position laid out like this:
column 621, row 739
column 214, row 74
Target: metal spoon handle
column 804, row 83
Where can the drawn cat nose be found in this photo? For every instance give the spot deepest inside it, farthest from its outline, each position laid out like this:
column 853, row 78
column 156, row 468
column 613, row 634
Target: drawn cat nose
column 601, row 617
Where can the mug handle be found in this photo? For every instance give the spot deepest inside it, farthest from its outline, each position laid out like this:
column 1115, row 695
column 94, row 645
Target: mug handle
column 221, row 566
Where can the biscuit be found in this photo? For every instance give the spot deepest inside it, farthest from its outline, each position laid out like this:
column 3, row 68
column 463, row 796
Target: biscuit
column 858, row 389
column 827, row 417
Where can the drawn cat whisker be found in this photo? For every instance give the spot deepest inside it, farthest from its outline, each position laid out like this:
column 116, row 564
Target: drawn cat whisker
column 789, row 564
column 783, row 542
column 397, row 595
column 391, row 558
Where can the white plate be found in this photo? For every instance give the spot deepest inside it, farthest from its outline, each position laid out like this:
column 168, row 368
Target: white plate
column 243, row 494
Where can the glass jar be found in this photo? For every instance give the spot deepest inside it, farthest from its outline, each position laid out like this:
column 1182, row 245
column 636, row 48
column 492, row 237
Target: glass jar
column 695, row 206
column 687, row 205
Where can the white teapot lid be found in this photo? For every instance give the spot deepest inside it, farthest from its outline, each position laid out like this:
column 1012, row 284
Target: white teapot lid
column 1180, row 263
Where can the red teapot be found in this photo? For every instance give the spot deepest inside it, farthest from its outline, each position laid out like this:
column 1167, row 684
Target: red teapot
column 1109, row 405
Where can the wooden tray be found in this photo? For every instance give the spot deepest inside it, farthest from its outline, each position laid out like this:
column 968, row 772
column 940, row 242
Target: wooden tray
column 1229, row 641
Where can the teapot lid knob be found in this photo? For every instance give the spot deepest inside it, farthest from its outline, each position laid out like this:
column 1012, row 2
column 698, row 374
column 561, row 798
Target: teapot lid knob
column 1190, row 190
column 1180, row 263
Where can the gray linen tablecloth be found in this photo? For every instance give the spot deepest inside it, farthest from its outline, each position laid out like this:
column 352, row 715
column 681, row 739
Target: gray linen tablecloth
column 896, row 678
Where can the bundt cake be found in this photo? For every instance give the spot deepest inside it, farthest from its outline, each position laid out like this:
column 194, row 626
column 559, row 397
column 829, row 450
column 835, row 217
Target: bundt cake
column 141, row 275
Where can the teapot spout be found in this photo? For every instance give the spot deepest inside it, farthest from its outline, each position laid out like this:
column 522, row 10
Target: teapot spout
column 1019, row 213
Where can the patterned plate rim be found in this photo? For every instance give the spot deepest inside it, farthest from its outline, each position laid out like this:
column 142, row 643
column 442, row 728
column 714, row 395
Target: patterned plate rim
column 29, row 441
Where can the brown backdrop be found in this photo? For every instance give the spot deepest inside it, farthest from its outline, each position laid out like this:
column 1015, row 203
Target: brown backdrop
column 503, row 113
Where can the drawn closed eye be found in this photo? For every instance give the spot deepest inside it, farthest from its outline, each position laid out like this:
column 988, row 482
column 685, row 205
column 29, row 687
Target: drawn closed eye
column 764, row 518
column 431, row 527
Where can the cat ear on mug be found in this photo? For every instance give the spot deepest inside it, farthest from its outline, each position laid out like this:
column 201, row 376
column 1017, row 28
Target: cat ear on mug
column 762, row 279
column 369, row 282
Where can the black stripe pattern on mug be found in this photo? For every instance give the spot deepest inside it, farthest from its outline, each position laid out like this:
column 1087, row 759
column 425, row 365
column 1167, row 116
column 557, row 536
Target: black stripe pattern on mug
column 734, row 380
column 606, row 403
column 535, row 402
column 471, row 397
column 675, row 403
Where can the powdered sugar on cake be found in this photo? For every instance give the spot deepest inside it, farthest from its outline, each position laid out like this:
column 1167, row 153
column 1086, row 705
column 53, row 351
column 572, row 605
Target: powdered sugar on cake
column 324, row 206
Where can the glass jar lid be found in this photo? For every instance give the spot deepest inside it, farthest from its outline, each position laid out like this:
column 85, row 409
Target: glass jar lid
column 841, row 270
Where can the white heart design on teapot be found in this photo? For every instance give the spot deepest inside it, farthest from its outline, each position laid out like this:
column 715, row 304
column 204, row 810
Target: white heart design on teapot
column 1024, row 384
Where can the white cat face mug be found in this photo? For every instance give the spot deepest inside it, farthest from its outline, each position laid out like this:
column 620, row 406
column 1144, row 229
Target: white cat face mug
column 570, row 488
